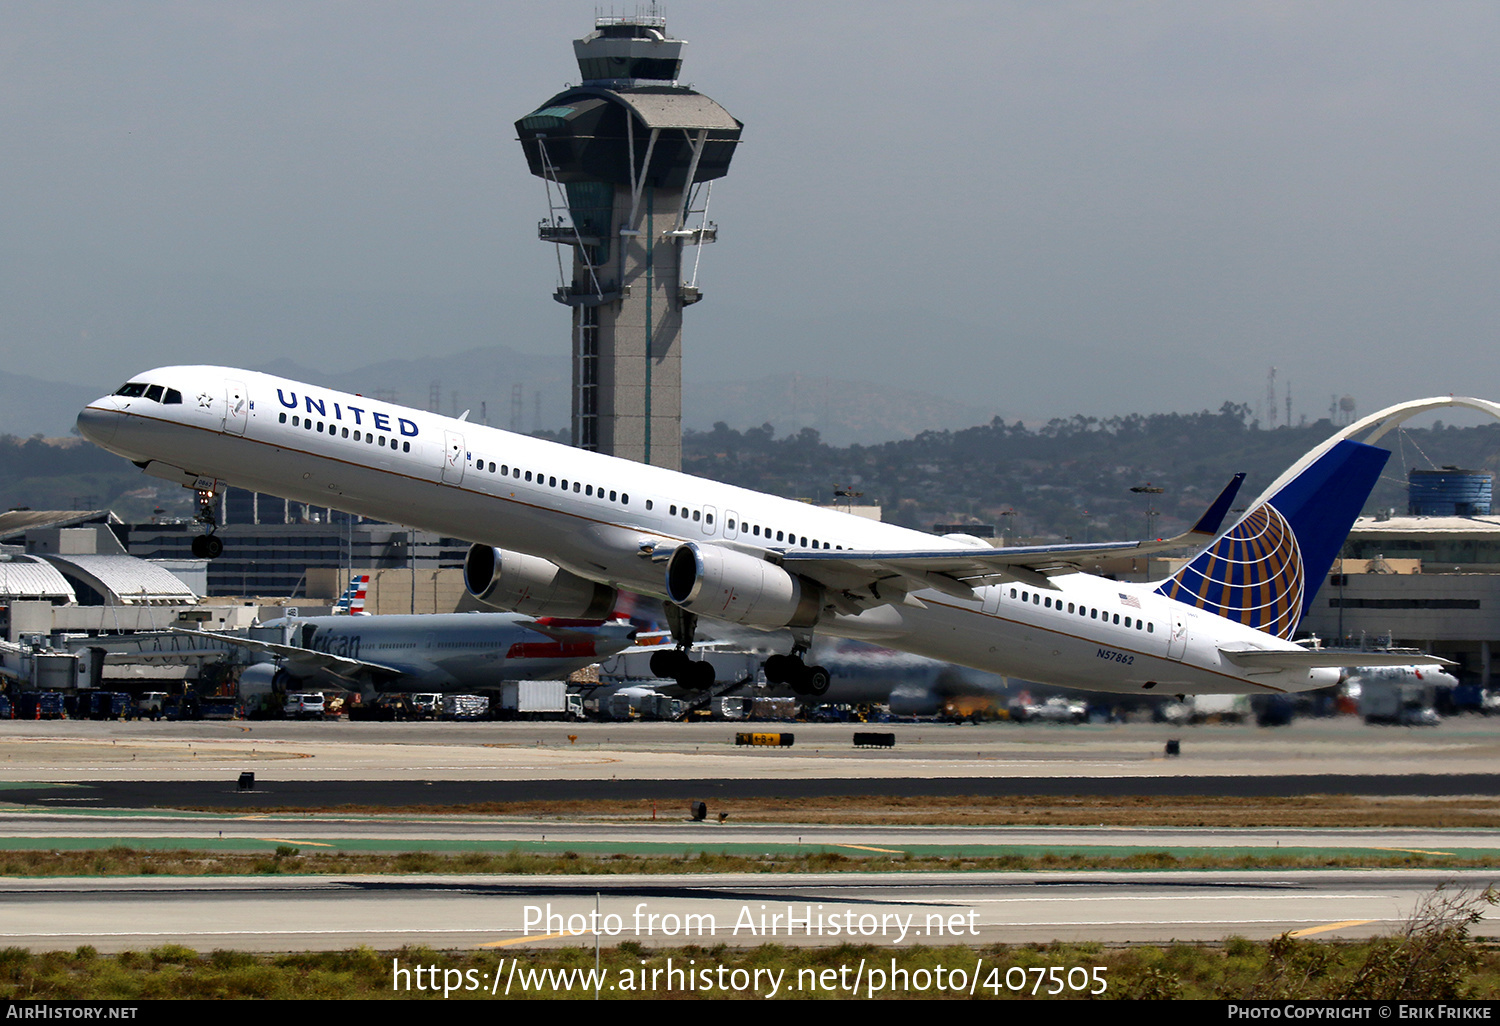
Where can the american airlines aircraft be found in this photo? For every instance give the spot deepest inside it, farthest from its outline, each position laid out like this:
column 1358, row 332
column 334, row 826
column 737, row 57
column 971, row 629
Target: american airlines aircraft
column 444, row 652
column 354, row 650
column 558, row 531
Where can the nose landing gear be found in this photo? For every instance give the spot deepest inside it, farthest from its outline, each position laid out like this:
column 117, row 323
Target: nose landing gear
column 207, row 545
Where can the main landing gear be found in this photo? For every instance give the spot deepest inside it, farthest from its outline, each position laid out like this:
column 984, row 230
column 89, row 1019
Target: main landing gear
column 809, row 681
column 678, row 664
column 207, row 545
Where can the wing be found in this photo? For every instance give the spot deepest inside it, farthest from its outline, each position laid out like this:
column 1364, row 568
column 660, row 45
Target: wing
column 353, row 670
column 957, row 571
column 175, row 645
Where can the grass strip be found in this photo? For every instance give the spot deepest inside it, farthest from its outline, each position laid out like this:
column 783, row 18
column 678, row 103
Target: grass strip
column 1441, row 963
column 123, row 860
column 1305, row 811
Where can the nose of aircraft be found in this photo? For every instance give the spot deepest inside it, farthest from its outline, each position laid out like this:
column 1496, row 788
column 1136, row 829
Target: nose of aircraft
column 97, row 423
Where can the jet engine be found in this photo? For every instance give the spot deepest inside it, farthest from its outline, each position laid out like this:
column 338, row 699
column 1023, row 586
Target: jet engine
column 528, row 584
column 726, row 584
column 263, row 679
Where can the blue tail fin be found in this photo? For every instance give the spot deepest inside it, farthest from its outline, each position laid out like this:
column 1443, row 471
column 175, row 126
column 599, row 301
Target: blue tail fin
column 352, row 601
column 1265, row 570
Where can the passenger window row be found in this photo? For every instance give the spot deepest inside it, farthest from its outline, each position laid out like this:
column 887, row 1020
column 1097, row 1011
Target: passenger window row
column 755, row 531
column 1092, row 612
column 368, row 437
column 591, row 491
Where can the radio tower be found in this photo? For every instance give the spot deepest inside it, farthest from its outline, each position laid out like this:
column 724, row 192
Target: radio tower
column 628, row 158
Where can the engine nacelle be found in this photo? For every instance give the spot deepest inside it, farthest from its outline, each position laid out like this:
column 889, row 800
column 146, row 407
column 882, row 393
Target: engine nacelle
column 528, row 584
column 263, row 679
column 726, row 584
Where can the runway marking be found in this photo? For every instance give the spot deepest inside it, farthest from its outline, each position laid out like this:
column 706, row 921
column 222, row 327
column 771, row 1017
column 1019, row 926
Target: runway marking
column 1329, row 926
column 866, row 847
column 286, row 840
column 1415, row 851
column 525, row 940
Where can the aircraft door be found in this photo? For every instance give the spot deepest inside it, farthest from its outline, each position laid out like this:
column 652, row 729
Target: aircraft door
column 992, row 599
column 453, row 457
column 236, row 407
column 1177, row 642
column 731, row 524
column 709, row 524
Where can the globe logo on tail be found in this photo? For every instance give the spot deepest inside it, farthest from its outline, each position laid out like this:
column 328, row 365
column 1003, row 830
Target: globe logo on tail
column 1252, row 575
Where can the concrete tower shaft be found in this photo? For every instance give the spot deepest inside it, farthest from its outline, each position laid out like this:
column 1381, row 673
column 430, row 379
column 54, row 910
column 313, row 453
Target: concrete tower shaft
column 627, row 156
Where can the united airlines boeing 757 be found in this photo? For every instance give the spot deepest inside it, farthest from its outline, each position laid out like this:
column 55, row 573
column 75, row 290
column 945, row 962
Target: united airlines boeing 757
column 557, row 531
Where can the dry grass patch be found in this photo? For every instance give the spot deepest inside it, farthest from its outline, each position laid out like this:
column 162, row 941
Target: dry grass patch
column 978, row 810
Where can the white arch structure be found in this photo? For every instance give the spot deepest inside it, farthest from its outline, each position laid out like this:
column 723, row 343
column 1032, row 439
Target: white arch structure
column 1376, row 426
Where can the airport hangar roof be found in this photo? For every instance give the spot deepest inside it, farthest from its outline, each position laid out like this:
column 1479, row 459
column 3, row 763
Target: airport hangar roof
column 15, row 523
column 123, row 581
column 31, row 578
column 1405, row 527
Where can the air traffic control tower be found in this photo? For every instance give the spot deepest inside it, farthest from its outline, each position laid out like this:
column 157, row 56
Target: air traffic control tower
column 628, row 158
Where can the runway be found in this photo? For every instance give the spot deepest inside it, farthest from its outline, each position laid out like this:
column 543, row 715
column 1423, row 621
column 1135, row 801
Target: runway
column 560, row 760
column 75, row 784
column 385, row 913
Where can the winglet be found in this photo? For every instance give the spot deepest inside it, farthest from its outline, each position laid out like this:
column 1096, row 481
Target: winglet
column 1213, row 517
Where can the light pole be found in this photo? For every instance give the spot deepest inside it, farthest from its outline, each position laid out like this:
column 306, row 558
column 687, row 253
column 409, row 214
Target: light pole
column 1005, row 526
column 1148, row 490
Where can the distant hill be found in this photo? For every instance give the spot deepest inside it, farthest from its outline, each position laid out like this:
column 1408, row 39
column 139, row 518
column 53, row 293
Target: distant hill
column 30, row 406
column 842, row 412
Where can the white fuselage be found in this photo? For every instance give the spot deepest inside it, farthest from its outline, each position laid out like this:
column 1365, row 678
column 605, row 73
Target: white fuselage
column 601, row 518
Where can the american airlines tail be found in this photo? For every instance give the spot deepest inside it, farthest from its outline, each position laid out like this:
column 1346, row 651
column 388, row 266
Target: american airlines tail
column 352, row 602
column 1265, row 570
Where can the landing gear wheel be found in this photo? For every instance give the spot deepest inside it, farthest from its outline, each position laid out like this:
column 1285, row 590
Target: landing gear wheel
column 699, row 677
column 670, row 663
column 816, row 681
column 782, row 669
column 207, row 546
column 690, row 674
column 811, row 681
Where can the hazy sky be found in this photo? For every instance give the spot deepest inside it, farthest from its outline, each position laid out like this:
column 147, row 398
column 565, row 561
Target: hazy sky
column 1039, row 207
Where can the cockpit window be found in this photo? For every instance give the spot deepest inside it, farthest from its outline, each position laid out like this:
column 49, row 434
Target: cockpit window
column 155, row 393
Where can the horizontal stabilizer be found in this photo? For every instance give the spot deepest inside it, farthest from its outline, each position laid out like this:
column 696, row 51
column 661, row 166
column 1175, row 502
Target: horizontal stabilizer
column 1315, row 658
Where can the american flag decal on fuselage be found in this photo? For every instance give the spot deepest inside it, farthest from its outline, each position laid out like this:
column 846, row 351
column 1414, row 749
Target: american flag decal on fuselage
column 1253, row 575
